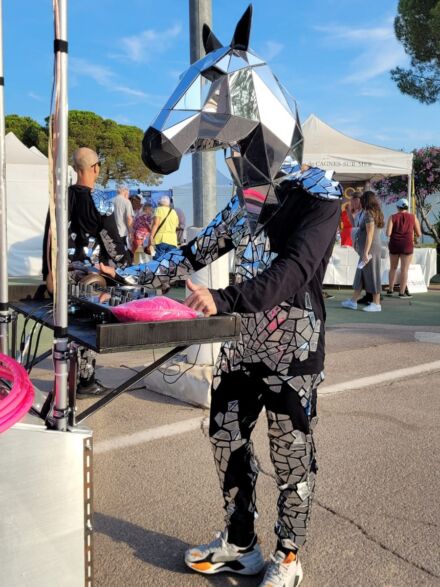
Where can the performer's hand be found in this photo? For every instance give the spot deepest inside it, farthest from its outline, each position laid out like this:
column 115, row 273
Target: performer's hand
column 200, row 299
column 106, row 270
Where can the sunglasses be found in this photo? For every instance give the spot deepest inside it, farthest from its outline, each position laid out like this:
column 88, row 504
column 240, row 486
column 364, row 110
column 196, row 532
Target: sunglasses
column 98, row 163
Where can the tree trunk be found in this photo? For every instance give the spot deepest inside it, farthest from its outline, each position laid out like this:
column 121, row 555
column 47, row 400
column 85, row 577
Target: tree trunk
column 431, row 229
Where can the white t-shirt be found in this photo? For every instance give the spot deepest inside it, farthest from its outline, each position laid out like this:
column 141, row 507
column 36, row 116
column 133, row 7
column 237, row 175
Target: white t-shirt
column 123, row 212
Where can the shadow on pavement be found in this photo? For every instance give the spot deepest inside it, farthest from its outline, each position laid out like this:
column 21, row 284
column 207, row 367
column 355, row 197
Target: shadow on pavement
column 160, row 550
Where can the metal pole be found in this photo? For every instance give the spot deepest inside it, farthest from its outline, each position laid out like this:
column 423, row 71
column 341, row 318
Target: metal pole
column 4, row 307
column 409, row 191
column 203, row 164
column 61, row 347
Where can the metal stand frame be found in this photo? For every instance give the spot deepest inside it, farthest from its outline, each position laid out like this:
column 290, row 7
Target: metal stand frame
column 60, row 131
column 123, row 387
column 5, row 316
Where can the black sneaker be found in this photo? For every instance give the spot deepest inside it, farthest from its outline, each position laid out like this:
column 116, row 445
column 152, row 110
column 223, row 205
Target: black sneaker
column 406, row 295
column 367, row 299
column 91, row 390
column 327, row 296
column 389, row 292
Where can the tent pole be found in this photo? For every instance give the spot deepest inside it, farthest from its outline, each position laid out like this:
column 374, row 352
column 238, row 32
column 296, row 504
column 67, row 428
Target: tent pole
column 409, row 192
column 203, row 164
column 4, row 306
column 60, row 130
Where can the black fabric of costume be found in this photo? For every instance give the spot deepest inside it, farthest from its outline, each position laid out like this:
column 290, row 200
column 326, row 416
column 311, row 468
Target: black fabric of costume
column 277, row 361
column 290, row 405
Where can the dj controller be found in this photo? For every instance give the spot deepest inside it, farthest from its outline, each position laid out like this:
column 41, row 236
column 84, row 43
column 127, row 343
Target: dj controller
column 97, row 301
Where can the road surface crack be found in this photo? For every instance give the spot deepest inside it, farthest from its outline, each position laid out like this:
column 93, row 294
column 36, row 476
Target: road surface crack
column 375, row 540
column 358, row 526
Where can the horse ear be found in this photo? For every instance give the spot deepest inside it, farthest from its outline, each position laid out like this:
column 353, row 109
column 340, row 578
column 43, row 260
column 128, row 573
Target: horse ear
column 240, row 40
column 210, row 41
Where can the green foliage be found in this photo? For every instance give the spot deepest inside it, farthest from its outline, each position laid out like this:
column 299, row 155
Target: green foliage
column 417, row 27
column 426, row 170
column 118, row 145
column 29, row 131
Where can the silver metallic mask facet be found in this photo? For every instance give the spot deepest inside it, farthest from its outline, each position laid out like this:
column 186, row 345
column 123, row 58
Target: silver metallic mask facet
column 230, row 99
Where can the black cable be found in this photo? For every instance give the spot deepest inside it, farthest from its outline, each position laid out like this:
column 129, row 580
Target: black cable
column 181, row 372
column 30, row 365
column 47, row 308
column 31, row 337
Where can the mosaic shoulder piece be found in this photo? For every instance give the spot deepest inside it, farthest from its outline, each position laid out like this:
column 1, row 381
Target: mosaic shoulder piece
column 102, row 203
column 315, row 181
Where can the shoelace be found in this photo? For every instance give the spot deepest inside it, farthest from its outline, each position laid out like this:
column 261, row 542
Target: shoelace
column 220, row 542
column 278, row 570
column 221, row 537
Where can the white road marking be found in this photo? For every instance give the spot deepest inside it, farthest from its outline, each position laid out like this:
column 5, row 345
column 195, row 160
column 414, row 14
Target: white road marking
column 181, row 427
column 433, row 337
column 380, row 378
column 148, row 435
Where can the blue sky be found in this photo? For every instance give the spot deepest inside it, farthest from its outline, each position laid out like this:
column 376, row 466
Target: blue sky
column 334, row 56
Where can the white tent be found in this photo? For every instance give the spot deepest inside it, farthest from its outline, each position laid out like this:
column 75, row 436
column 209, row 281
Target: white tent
column 27, row 204
column 38, row 152
column 352, row 160
column 183, row 196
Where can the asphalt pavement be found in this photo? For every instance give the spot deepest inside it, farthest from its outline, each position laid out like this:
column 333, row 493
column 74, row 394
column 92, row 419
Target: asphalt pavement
column 376, row 515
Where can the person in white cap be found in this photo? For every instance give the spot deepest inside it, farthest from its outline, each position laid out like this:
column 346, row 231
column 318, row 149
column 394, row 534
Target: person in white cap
column 401, row 228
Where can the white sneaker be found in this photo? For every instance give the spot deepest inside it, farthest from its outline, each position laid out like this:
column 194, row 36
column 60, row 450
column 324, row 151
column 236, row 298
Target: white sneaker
column 373, row 308
column 220, row 556
column 349, row 304
column 283, row 571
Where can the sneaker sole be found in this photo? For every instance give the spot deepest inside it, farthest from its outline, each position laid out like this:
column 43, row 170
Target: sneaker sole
column 299, row 576
column 210, row 568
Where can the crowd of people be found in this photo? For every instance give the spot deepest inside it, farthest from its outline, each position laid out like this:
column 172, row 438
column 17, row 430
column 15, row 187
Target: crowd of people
column 147, row 231
column 361, row 225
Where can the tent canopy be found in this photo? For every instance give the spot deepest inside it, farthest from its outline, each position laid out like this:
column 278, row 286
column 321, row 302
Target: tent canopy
column 351, row 160
column 18, row 154
column 27, row 189
column 183, row 195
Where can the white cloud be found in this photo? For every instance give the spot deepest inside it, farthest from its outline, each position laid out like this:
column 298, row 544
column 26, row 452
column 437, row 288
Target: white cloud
column 36, row 97
column 373, row 91
column 377, row 50
column 140, row 48
column 272, row 49
column 375, row 61
column 360, row 34
column 104, row 77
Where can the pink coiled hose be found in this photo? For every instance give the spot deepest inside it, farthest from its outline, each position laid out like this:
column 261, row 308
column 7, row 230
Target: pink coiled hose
column 16, row 402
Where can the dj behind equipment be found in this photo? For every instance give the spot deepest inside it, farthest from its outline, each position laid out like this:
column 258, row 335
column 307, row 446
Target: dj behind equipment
column 93, row 237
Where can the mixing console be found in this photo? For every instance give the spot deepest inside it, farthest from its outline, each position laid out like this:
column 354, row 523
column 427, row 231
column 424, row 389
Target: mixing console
column 98, row 301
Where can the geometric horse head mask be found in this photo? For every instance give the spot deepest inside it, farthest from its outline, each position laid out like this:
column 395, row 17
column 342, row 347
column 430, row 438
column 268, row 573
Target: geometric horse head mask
column 230, row 99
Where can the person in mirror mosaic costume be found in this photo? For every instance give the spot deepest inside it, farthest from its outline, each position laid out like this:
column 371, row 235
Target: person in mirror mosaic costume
column 282, row 224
